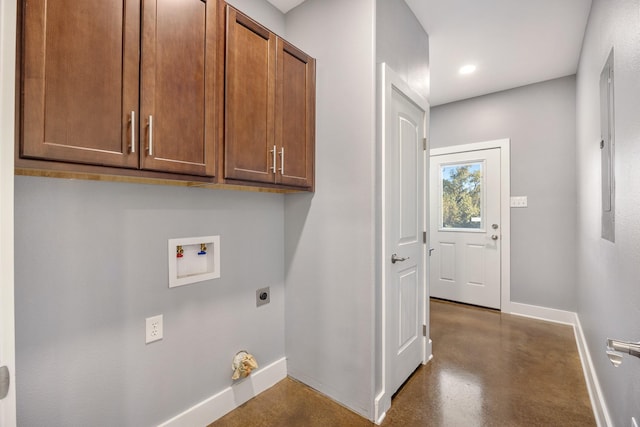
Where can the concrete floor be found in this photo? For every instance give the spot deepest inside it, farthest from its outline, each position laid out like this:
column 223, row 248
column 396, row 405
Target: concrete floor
column 489, row 369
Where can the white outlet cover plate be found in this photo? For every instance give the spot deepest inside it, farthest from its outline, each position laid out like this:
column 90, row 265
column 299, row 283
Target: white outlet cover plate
column 154, row 330
column 519, row 201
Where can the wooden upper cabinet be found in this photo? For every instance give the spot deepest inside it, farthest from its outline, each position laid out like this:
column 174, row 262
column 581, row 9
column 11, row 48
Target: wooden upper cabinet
column 295, row 116
column 123, row 83
column 188, row 87
column 269, row 107
column 178, row 90
column 249, row 100
column 80, row 81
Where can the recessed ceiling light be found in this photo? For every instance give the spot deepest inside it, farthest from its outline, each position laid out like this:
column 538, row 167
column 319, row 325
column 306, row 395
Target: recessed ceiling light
column 467, row 69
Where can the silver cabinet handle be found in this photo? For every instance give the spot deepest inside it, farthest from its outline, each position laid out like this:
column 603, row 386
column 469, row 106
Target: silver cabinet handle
column 494, row 237
column 133, row 132
column 150, row 147
column 395, row 258
column 431, row 251
column 281, row 161
column 273, row 153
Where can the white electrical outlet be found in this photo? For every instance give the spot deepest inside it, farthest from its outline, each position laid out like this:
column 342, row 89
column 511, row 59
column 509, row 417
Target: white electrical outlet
column 154, row 328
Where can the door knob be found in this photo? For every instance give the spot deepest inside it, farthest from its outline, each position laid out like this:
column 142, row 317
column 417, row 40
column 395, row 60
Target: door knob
column 395, row 258
column 494, row 237
column 4, row 382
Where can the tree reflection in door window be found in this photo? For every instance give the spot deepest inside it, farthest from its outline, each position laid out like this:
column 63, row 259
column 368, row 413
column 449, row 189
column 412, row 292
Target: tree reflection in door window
column 462, row 196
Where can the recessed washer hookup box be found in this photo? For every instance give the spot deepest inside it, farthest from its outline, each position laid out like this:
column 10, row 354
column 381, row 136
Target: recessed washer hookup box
column 193, row 259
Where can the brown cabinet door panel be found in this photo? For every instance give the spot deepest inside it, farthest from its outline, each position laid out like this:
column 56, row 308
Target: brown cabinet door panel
column 179, row 45
column 80, row 81
column 295, row 116
column 249, row 102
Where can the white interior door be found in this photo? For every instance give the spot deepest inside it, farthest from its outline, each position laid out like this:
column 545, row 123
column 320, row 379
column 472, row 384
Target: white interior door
column 405, row 262
column 7, row 97
column 466, row 227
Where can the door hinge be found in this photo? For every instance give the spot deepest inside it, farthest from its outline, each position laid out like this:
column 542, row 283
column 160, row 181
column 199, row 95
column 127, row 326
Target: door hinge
column 4, row 381
column 424, row 144
column 424, row 330
column 424, row 237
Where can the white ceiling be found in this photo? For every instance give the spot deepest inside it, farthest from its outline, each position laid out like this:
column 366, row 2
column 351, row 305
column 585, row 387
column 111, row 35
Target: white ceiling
column 285, row 5
column 512, row 42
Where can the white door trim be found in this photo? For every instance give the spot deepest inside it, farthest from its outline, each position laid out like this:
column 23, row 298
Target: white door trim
column 505, row 210
column 387, row 80
column 8, row 18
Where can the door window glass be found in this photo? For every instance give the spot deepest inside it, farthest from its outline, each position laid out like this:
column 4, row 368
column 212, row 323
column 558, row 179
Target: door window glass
column 462, row 195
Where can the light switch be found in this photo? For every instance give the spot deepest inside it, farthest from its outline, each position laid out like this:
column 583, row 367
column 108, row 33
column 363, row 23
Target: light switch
column 519, row 201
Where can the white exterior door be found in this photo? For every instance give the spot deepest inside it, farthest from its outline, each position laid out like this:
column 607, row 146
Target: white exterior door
column 7, row 105
column 405, row 260
column 466, row 227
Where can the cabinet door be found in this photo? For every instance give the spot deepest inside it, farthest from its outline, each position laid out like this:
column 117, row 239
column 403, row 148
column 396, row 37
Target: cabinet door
column 295, row 116
column 80, row 81
column 178, row 127
column 250, row 100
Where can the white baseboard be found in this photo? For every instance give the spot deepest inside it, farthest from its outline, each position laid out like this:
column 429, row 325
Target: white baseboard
column 216, row 406
column 543, row 313
column 381, row 406
column 428, row 351
column 600, row 410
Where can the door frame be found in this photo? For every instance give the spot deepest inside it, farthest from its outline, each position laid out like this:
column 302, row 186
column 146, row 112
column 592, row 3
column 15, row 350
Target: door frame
column 505, row 209
column 8, row 19
column 387, row 80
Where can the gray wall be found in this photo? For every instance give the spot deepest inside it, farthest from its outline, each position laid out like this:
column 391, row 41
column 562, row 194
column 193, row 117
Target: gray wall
column 540, row 121
column 403, row 44
column 608, row 292
column 263, row 12
column 91, row 265
column 329, row 236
